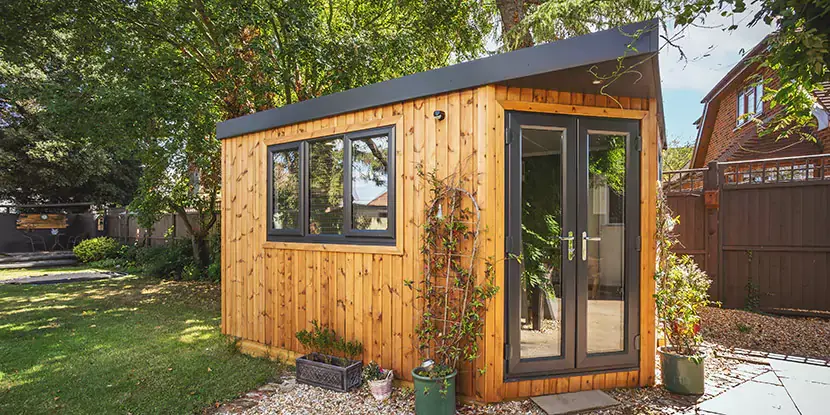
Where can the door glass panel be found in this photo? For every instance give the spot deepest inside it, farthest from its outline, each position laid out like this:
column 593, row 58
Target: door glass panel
column 605, row 243
column 541, row 277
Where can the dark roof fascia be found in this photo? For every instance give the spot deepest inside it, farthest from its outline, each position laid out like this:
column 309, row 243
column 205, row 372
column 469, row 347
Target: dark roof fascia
column 593, row 48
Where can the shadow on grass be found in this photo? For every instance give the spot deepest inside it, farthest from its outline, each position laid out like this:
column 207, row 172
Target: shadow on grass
column 131, row 345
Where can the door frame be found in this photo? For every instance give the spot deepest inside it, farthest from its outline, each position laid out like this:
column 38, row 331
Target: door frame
column 513, row 361
column 574, row 357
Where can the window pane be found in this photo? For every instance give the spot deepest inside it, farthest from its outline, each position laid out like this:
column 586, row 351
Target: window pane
column 370, row 183
column 325, row 190
column 759, row 94
column 285, row 190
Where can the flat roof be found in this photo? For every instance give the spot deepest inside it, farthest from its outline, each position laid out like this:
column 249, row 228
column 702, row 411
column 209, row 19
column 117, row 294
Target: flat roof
column 528, row 66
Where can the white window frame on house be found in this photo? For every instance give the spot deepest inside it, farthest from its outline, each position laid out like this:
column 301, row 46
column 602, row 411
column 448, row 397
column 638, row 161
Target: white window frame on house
column 749, row 101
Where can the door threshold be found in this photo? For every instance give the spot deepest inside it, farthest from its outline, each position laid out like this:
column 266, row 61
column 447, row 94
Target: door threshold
column 569, row 373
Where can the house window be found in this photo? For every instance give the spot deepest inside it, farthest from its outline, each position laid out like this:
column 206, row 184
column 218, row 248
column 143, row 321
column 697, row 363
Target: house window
column 337, row 189
column 749, row 102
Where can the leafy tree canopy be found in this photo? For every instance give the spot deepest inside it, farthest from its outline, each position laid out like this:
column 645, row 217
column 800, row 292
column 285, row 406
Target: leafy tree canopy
column 154, row 76
column 798, row 49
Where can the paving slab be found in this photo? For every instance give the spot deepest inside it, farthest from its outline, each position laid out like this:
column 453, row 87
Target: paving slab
column 63, row 278
column 571, row 403
column 768, row 377
column 808, row 385
column 751, row 398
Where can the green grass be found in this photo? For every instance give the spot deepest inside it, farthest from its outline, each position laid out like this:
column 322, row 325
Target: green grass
column 8, row 274
column 129, row 345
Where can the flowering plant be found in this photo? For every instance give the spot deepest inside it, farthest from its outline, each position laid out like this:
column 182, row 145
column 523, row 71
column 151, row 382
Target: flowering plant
column 682, row 288
column 373, row 371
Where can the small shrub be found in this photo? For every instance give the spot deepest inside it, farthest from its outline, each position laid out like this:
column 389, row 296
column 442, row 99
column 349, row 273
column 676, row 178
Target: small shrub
column 111, row 263
column 166, row 261
column 743, row 328
column 97, row 249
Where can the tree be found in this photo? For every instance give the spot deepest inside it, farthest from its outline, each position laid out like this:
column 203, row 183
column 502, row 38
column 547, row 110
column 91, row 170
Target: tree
column 798, row 49
column 171, row 69
column 677, row 156
column 41, row 164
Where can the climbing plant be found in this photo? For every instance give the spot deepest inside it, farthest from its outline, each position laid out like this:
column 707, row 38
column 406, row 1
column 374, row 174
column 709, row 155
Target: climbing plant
column 457, row 282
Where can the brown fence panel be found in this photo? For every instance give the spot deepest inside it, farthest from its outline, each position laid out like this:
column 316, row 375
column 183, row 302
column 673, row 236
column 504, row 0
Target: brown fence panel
column 765, row 236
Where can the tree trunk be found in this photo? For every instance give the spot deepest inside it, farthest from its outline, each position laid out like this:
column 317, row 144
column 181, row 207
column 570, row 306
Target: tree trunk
column 201, row 253
column 512, row 12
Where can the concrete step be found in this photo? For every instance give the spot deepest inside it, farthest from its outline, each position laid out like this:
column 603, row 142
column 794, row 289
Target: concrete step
column 39, row 264
column 35, row 256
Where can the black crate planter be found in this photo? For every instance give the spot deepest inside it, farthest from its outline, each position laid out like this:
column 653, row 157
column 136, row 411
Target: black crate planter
column 329, row 376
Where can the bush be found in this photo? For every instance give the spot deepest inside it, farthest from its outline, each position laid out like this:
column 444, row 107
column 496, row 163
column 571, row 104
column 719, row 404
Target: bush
column 97, row 249
column 168, row 261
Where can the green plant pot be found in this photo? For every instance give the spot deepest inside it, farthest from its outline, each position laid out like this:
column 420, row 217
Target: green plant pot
column 428, row 397
column 682, row 374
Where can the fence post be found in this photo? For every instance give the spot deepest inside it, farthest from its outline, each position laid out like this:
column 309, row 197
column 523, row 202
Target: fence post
column 711, row 186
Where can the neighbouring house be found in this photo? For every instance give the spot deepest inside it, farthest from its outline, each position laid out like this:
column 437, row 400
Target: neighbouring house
column 322, row 213
column 753, row 209
column 726, row 131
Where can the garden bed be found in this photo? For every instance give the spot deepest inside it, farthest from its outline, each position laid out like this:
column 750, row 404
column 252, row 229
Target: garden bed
column 793, row 336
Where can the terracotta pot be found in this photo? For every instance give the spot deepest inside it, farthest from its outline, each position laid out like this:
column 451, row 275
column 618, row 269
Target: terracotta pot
column 382, row 389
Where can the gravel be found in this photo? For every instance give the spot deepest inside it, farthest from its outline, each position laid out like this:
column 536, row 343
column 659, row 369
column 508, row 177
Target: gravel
column 722, row 374
column 795, row 336
column 724, row 330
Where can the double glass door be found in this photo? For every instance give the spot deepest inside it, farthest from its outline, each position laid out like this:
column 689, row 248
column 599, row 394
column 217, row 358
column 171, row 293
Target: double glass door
column 573, row 244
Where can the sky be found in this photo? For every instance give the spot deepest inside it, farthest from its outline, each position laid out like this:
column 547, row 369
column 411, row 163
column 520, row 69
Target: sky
column 711, row 53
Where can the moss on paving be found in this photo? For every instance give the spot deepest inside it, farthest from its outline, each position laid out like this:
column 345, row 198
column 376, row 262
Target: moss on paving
column 128, row 345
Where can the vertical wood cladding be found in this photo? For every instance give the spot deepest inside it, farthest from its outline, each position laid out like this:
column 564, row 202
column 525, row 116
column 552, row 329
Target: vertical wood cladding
column 270, row 290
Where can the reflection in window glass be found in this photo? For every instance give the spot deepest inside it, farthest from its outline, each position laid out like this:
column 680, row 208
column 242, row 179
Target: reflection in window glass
column 325, row 188
column 285, row 196
column 370, row 179
column 606, row 252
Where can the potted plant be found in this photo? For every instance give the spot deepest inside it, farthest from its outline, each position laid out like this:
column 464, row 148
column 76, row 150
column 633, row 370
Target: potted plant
column 455, row 288
column 379, row 380
column 321, row 367
column 682, row 292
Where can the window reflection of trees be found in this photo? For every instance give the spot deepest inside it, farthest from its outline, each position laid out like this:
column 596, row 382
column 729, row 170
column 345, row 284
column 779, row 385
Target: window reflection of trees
column 370, row 171
column 326, row 187
column 286, row 190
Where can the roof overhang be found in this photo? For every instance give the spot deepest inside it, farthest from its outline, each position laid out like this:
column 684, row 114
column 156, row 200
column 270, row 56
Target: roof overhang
column 562, row 65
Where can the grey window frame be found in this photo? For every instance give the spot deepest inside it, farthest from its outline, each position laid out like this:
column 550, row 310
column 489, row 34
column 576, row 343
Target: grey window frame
column 301, row 208
column 349, row 236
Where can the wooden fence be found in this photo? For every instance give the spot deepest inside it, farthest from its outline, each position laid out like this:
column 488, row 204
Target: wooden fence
column 123, row 226
column 759, row 228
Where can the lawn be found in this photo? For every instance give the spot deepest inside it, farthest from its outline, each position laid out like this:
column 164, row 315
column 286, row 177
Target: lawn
column 128, row 345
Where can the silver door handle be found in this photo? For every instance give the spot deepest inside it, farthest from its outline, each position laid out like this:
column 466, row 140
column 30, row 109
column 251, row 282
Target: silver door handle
column 570, row 238
column 585, row 240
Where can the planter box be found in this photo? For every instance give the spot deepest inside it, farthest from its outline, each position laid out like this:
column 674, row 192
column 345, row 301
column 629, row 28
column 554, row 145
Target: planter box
column 332, row 377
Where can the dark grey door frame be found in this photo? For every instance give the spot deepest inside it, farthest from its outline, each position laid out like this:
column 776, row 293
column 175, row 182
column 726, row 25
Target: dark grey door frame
column 515, row 120
column 628, row 357
column 574, row 357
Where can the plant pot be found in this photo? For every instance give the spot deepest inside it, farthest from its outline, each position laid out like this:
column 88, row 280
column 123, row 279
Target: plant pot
column 428, row 397
column 341, row 378
column 382, row 389
column 680, row 373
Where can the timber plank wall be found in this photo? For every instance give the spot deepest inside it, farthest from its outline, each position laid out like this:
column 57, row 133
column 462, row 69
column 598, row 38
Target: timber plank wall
column 270, row 290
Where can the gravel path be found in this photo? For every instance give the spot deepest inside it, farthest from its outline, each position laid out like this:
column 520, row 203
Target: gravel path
column 289, row 398
column 724, row 330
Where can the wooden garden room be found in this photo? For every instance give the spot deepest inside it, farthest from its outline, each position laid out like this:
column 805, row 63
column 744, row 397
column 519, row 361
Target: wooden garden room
column 323, row 210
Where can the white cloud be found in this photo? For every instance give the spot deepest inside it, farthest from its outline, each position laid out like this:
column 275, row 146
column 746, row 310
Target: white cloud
column 711, row 52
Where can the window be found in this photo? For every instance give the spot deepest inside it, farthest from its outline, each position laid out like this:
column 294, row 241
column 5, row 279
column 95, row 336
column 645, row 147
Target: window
column 337, row 189
column 749, row 102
